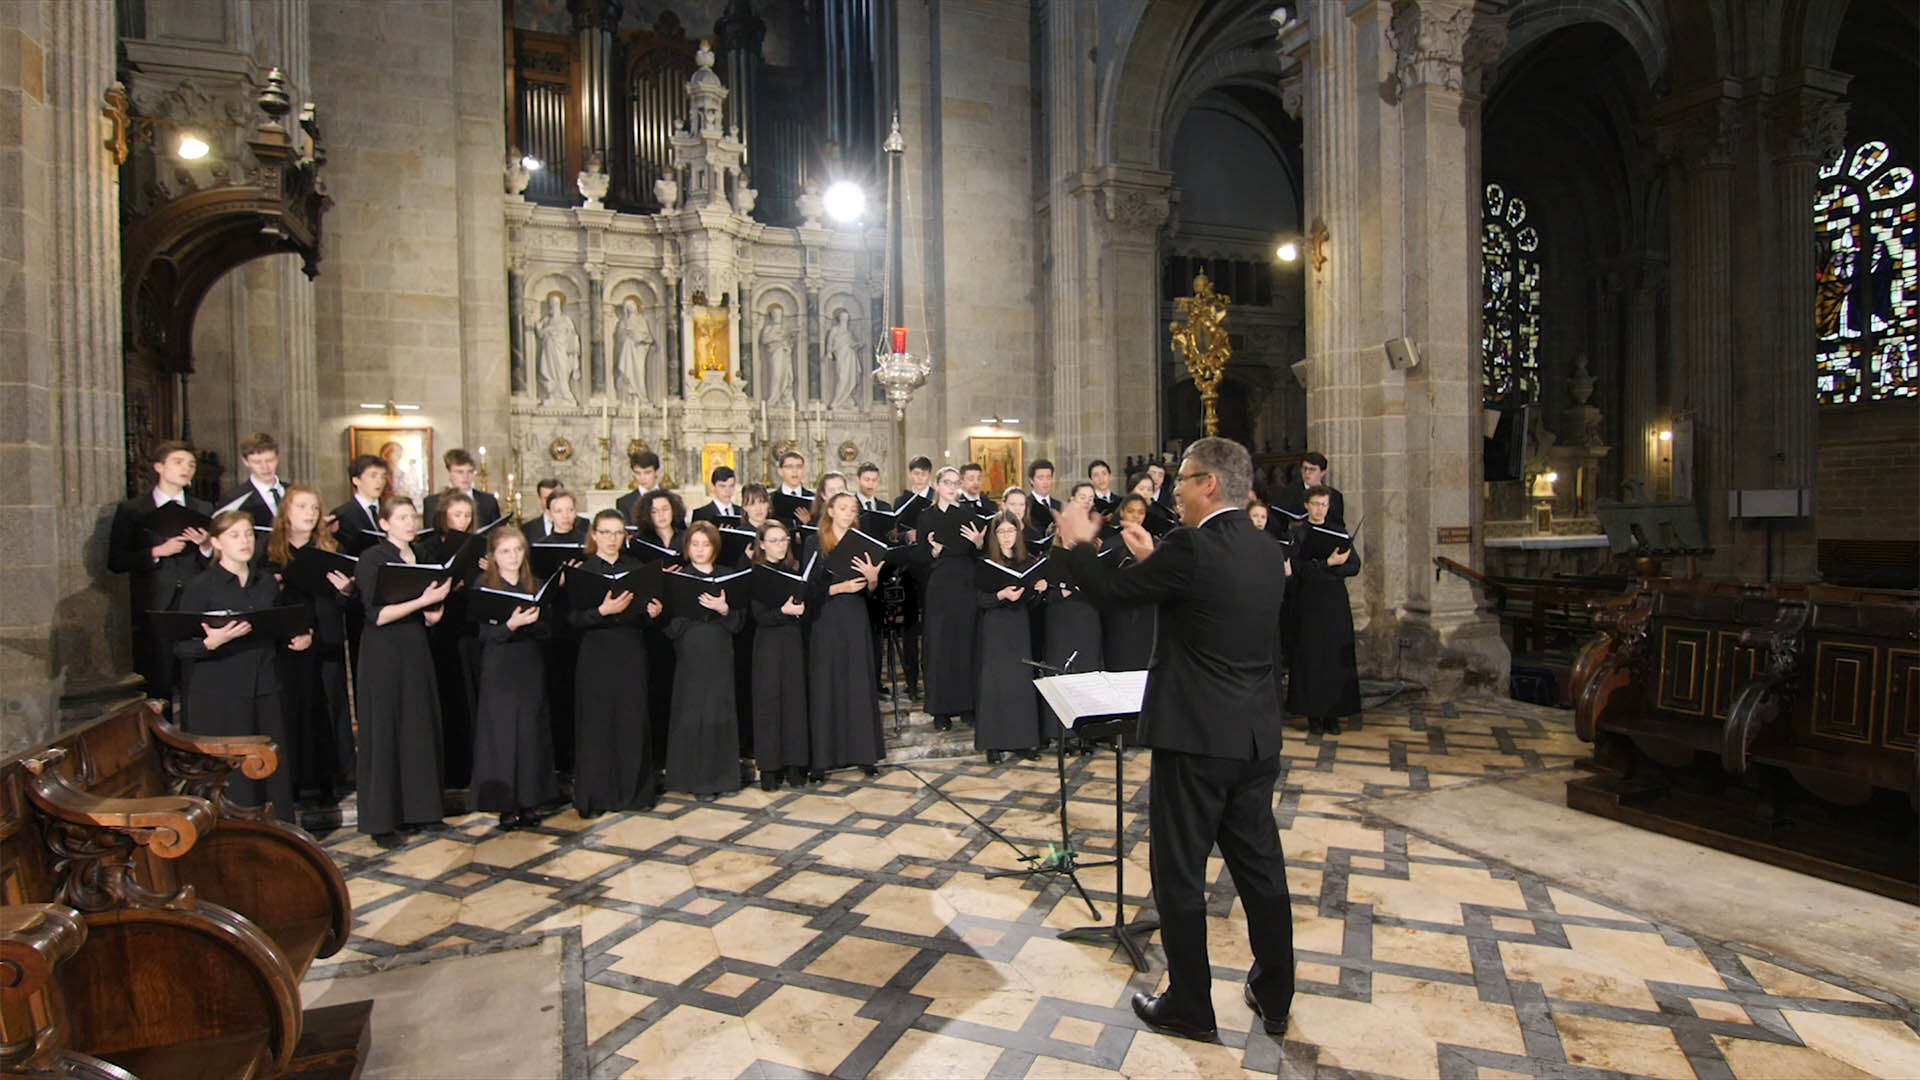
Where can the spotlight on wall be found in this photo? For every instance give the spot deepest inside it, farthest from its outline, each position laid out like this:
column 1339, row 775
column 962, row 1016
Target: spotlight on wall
column 1666, row 435
column 845, row 201
column 530, row 163
column 190, row 147
column 997, row 421
column 1288, row 251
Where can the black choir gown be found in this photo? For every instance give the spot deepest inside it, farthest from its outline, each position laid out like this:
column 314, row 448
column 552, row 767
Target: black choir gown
column 660, row 660
column 703, row 736
column 1323, row 677
column 314, row 681
column 950, row 616
column 780, row 737
column 1127, row 632
column 840, row 699
column 1007, row 708
column 613, row 737
column 456, row 654
column 1072, row 622
column 399, row 704
column 743, row 669
column 512, row 729
column 235, row 689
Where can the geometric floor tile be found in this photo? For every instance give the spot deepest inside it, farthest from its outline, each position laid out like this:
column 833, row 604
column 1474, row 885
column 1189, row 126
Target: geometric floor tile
column 849, row 929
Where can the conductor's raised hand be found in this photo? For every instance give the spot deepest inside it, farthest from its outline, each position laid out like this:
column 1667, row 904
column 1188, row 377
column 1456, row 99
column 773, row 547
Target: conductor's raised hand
column 1010, row 593
column 1139, row 541
column 1075, row 525
column 615, row 603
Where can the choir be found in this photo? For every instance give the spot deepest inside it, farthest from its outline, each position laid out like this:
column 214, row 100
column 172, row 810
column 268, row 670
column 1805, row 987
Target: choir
column 405, row 651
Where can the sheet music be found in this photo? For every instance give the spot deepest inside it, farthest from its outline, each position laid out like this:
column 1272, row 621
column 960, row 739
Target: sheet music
column 1093, row 694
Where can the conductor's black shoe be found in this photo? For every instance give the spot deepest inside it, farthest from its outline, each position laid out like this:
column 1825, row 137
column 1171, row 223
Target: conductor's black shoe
column 1275, row 1028
column 1158, row 1013
column 993, row 757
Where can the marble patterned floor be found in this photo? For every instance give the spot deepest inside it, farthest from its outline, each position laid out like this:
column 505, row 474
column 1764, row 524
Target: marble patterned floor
column 849, row 930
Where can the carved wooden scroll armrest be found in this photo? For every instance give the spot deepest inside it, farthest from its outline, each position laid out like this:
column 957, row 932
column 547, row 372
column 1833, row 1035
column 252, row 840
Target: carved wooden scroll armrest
column 34, row 939
column 254, row 755
column 166, row 825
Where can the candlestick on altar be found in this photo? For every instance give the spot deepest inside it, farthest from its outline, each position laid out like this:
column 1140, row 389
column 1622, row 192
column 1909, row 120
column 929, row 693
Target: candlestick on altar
column 605, row 482
column 480, row 483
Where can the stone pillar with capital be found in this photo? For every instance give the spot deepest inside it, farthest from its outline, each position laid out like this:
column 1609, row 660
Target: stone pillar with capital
column 1807, row 126
column 1699, row 133
column 1133, row 204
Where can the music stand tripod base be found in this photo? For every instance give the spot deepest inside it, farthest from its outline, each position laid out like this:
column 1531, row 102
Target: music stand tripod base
column 1119, row 932
column 1061, row 860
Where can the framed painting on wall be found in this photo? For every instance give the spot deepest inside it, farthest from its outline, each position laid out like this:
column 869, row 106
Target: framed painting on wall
column 408, row 452
column 1002, row 461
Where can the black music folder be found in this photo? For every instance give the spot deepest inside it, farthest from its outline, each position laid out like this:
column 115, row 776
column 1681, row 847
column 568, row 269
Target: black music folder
column 1321, row 542
column 548, row 556
column 784, row 504
column 774, row 587
column 308, row 569
column 993, row 576
column 647, row 551
column 851, row 546
column 733, row 545
column 683, row 589
column 269, row 624
column 587, row 589
column 171, row 519
column 486, row 605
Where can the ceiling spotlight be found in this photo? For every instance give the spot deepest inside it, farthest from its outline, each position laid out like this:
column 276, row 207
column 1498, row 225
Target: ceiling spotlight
column 1288, row 251
column 191, row 147
column 530, row 163
column 845, row 201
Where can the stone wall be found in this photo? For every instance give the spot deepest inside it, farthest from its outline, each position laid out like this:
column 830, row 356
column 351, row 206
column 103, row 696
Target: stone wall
column 1869, row 472
column 411, row 299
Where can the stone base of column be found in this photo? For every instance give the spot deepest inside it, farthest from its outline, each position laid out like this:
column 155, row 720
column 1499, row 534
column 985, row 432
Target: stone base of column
column 1449, row 653
column 39, row 710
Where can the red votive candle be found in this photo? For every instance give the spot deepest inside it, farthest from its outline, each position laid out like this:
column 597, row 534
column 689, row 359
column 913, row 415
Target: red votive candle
column 899, row 339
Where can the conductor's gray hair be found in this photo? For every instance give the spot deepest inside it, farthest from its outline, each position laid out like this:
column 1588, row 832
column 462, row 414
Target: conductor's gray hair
column 1229, row 463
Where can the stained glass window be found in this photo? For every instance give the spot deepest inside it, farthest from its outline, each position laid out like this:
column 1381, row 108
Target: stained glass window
column 1510, row 316
column 1864, row 292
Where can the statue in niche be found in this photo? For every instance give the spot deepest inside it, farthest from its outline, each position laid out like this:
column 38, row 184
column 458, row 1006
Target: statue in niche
column 557, row 364
column 776, row 344
column 711, row 354
column 633, row 354
column 843, row 350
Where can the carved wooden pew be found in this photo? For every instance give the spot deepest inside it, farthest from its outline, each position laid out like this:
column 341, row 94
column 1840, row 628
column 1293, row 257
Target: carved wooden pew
column 1779, row 722
column 201, row 916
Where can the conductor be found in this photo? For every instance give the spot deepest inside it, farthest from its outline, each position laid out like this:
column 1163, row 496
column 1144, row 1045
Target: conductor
column 1213, row 723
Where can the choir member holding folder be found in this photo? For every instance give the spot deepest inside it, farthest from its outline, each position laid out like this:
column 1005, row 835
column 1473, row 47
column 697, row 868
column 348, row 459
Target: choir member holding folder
column 657, row 541
column 456, row 648
column 234, row 688
column 1072, row 622
column 949, row 538
column 840, row 699
column 399, row 698
column 313, row 572
column 780, row 742
column 1007, row 582
column 159, row 540
column 513, row 770
column 1127, row 632
column 1324, row 679
column 706, row 607
column 611, row 597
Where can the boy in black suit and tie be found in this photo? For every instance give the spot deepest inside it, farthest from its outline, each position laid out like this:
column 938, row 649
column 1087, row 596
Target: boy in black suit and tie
column 461, row 471
column 1213, row 723
column 721, row 511
column 260, row 493
column 160, row 565
column 357, row 521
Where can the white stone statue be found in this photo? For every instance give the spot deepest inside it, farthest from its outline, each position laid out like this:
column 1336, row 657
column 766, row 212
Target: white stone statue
column 667, row 191
column 776, row 344
column 557, row 366
column 633, row 354
column 844, row 353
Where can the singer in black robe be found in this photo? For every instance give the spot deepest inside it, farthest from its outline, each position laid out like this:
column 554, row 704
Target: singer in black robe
column 1126, row 632
column 1007, row 707
column 703, row 736
column 235, row 689
column 780, row 737
column 1072, row 621
column 512, row 734
column 399, row 702
column 456, row 655
column 613, row 736
column 840, row 701
column 156, row 583
column 314, row 681
column 951, row 614
column 1323, row 681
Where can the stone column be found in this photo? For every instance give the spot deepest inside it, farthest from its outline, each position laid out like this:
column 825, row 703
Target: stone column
column 1808, row 126
column 63, row 617
column 486, row 356
column 281, row 40
column 1639, row 379
column 1133, row 206
column 1072, row 274
column 1700, row 133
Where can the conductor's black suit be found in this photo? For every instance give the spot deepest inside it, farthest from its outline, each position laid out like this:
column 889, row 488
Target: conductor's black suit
column 1213, row 723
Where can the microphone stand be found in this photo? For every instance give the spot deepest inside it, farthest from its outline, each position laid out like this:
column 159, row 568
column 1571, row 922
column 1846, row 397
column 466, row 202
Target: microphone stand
column 1059, row 860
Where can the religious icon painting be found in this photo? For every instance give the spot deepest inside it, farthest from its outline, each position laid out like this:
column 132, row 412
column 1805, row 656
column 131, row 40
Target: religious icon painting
column 1002, row 460
column 715, row 454
column 408, row 452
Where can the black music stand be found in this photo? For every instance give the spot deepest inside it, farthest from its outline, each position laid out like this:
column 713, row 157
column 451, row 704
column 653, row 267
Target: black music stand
column 1120, row 931
column 1059, row 860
